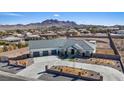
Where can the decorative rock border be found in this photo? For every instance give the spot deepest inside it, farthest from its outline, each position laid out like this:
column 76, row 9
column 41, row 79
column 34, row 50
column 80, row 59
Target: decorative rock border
column 75, row 73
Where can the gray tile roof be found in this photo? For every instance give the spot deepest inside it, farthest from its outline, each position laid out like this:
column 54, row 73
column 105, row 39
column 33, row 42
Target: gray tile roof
column 37, row 44
column 63, row 43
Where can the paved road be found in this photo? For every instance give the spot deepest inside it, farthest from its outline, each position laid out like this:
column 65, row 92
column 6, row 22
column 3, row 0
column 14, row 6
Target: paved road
column 5, row 76
column 10, row 69
column 53, row 77
column 35, row 70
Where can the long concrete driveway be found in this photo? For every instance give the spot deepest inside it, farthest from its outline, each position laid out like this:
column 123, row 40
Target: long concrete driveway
column 35, row 70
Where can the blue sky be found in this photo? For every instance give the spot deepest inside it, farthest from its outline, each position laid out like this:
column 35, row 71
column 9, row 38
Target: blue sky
column 96, row 18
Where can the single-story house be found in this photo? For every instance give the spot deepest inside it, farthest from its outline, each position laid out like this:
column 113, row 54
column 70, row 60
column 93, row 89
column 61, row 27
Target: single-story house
column 120, row 32
column 63, row 46
column 12, row 39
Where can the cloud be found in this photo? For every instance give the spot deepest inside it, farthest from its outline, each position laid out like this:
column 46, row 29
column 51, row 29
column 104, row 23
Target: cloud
column 56, row 15
column 14, row 14
column 11, row 14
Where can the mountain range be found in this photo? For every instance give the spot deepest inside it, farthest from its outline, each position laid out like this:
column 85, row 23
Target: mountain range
column 46, row 23
column 49, row 23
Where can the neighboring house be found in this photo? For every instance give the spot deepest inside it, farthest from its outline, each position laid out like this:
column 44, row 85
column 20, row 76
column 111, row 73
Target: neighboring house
column 65, row 47
column 118, row 33
column 84, row 31
column 18, row 35
column 12, row 39
column 73, row 32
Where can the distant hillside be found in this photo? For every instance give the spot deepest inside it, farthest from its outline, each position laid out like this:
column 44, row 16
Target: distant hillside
column 46, row 23
column 54, row 23
column 57, row 23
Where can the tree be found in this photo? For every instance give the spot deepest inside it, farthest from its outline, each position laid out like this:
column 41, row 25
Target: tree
column 5, row 48
column 19, row 31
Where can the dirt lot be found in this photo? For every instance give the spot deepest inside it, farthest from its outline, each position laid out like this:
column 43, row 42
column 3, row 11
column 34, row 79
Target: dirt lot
column 103, row 46
column 15, row 53
column 105, row 51
column 105, row 62
column 119, row 43
column 122, row 54
column 102, row 43
column 95, row 39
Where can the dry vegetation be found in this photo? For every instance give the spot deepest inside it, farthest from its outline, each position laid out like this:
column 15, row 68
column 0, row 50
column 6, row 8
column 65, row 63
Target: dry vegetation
column 11, row 46
column 105, row 62
column 103, row 47
column 120, row 45
column 76, row 71
column 102, row 61
column 15, row 53
column 105, row 51
column 23, row 63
